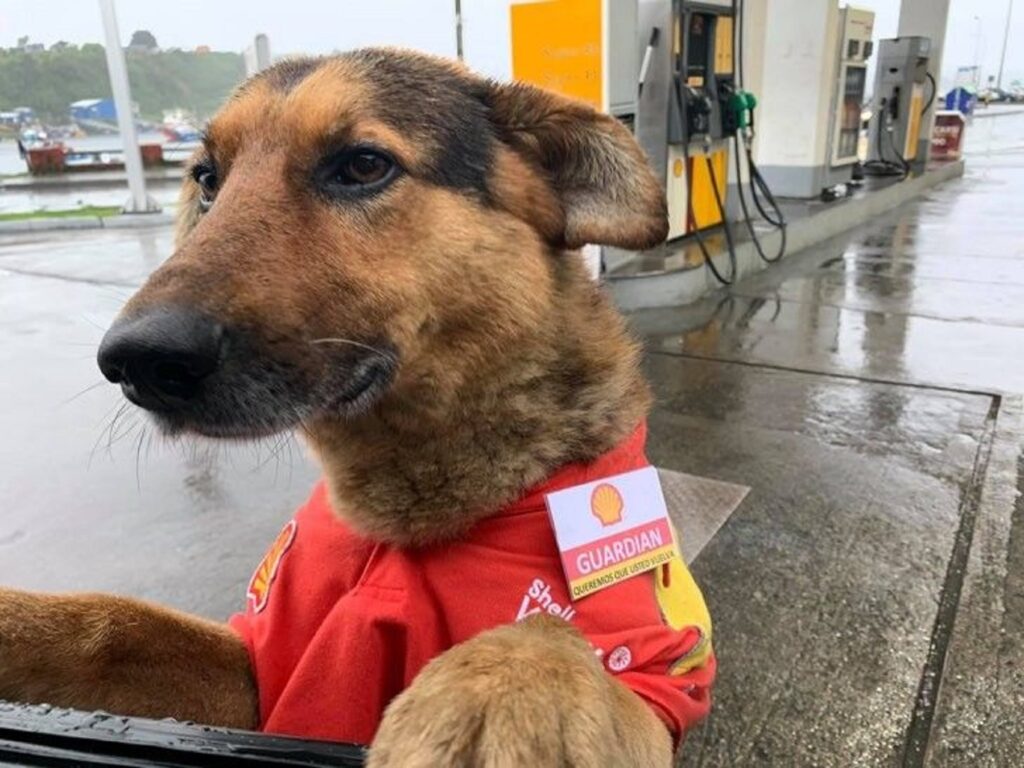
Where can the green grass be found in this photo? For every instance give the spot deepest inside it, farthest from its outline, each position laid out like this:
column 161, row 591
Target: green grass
column 69, row 213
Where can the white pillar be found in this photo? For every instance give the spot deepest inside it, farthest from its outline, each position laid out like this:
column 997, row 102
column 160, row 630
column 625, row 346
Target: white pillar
column 257, row 55
column 791, row 68
column 139, row 201
column 1006, row 42
column 927, row 18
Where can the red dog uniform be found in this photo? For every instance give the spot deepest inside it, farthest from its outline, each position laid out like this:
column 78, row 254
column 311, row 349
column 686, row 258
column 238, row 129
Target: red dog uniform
column 337, row 626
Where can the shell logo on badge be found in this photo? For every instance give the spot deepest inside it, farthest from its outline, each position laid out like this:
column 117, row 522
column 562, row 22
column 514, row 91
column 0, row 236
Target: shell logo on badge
column 261, row 581
column 606, row 504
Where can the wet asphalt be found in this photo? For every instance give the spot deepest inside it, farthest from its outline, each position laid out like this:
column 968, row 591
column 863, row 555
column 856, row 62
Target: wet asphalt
column 864, row 390
column 868, row 595
column 92, row 498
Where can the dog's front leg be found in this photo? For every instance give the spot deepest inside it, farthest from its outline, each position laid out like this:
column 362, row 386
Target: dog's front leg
column 123, row 656
column 532, row 694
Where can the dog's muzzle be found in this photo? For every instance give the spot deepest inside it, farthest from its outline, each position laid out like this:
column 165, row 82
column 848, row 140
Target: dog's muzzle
column 195, row 374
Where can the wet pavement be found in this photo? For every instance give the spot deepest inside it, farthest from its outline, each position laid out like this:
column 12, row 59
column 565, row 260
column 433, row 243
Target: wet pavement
column 92, row 499
column 868, row 594
column 866, row 390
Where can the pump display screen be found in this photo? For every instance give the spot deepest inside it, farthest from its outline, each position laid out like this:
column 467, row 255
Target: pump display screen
column 698, row 49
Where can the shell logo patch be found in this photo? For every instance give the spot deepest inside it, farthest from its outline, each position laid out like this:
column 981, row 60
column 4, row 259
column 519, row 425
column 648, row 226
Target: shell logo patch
column 259, row 585
column 606, row 504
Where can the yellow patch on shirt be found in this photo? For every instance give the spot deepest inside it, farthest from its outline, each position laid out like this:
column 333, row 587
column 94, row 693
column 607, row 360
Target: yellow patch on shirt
column 682, row 605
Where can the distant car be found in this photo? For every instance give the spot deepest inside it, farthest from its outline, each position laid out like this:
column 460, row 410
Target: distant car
column 994, row 96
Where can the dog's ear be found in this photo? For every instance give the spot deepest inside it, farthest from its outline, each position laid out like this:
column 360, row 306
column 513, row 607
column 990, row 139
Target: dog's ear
column 605, row 190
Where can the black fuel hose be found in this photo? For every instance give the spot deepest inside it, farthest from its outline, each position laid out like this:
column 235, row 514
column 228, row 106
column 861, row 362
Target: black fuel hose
column 690, row 216
column 756, row 180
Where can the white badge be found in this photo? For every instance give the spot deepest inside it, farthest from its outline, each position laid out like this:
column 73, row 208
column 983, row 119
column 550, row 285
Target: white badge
column 611, row 529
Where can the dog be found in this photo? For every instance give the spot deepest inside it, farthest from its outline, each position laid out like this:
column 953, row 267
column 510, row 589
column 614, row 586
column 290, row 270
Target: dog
column 379, row 250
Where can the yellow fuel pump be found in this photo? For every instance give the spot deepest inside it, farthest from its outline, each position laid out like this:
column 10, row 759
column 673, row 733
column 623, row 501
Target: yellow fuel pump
column 670, row 70
column 699, row 122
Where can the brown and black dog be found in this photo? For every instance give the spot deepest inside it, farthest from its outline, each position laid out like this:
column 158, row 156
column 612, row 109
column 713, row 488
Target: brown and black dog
column 375, row 249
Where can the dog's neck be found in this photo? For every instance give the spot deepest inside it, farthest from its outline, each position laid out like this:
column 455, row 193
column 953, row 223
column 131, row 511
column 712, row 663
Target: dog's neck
column 432, row 460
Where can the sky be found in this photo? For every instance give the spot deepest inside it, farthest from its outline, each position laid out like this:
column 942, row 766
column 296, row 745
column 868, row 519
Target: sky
column 975, row 32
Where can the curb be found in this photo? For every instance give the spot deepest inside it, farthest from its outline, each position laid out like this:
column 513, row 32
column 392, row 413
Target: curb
column 657, row 290
column 999, row 113
column 122, row 221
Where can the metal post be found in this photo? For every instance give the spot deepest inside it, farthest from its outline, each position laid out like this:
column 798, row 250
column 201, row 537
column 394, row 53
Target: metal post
column 1006, row 39
column 139, row 201
column 977, row 55
column 458, row 29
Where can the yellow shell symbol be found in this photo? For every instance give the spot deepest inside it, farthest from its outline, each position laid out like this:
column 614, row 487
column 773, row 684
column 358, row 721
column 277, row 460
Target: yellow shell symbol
column 606, row 504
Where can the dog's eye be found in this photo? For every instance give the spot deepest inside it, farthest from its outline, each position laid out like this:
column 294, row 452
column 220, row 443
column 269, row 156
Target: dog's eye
column 359, row 170
column 206, row 178
column 364, row 168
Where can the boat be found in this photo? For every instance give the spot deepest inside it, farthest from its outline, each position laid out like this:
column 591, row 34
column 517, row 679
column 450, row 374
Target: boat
column 50, row 157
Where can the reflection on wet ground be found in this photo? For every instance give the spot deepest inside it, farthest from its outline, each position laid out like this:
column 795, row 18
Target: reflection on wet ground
column 932, row 294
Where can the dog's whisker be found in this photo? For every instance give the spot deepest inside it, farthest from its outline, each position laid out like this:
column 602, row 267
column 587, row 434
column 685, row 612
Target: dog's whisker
column 90, row 388
column 99, row 437
column 117, row 428
column 119, row 403
column 274, row 442
column 138, row 456
column 97, row 326
column 124, row 432
column 121, row 408
column 353, row 343
column 279, row 446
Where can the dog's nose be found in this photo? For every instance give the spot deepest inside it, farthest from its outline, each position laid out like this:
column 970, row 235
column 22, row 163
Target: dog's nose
column 161, row 358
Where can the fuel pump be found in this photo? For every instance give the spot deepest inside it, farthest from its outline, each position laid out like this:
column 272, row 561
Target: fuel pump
column 899, row 105
column 700, row 120
column 691, row 107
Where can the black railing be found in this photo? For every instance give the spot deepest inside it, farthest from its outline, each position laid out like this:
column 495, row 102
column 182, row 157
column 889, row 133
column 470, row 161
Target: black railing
column 40, row 735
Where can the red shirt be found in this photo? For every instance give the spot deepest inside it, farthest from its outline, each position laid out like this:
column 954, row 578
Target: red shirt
column 337, row 625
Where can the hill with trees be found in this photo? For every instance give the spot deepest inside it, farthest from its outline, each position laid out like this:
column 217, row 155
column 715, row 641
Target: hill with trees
column 48, row 81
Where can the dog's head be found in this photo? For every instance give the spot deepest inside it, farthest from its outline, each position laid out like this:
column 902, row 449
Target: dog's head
column 353, row 220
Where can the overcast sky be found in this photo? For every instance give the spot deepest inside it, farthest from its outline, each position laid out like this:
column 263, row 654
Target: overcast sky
column 320, row 26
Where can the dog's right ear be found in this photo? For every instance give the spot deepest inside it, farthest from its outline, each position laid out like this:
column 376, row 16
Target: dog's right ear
column 598, row 186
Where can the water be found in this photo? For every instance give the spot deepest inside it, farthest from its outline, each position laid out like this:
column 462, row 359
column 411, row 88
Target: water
column 79, row 195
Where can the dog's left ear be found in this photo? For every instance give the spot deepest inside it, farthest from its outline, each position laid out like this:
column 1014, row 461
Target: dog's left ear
column 601, row 179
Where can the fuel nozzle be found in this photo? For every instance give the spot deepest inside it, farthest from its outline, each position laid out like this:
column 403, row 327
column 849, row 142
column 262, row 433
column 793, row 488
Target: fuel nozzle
column 742, row 105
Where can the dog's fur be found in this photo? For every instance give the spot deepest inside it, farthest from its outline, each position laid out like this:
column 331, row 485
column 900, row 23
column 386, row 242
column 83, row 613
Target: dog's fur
column 505, row 362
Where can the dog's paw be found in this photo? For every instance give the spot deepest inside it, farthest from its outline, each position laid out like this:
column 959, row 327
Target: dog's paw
column 532, row 694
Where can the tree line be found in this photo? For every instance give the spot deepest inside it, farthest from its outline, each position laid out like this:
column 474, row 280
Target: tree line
column 48, row 81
